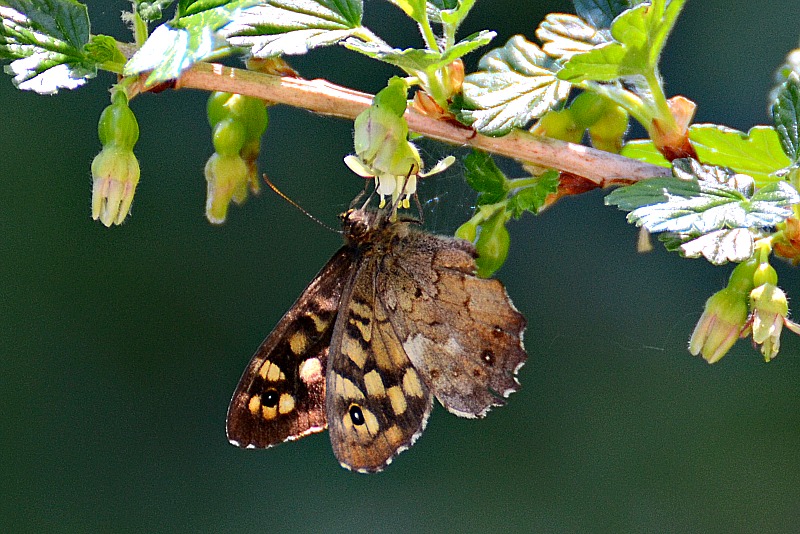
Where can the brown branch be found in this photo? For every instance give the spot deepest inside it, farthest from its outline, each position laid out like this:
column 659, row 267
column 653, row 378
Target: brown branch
column 323, row 97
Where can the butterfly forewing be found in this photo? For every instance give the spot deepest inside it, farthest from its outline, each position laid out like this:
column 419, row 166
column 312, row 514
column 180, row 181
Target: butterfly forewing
column 377, row 404
column 282, row 392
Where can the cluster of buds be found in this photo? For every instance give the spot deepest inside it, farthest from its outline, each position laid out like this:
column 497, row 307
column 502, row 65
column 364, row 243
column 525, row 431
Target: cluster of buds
column 115, row 170
column 751, row 304
column 383, row 151
column 237, row 122
column 589, row 112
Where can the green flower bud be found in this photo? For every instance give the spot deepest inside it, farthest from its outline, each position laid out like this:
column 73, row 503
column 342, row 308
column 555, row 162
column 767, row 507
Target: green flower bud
column 587, row 108
column 216, row 109
column 228, row 137
column 117, row 125
column 250, row 111
column 607, row 132
column 253, row 114
column 227, row 180
column 719, row 327
column 492, row 245
column 381, row 142
column 115, row 174
column 765, row 274
column 559, row 125
column 741, row 278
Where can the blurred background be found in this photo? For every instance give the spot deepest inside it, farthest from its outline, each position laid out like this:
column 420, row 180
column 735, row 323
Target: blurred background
column 120, row 348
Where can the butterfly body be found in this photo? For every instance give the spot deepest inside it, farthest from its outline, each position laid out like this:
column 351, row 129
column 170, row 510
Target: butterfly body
column 396, row 317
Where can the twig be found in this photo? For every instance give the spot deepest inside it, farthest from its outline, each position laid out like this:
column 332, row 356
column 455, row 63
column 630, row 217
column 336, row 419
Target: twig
column 323, row 97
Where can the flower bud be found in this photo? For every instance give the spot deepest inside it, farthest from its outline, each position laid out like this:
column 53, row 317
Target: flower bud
column 720, row 325
column 115, row 174
column 117, row 125
column 492, row 245
column 559, row 124
column 770, row 309
column 227, row 180
column 608, row 131
column 228, row 137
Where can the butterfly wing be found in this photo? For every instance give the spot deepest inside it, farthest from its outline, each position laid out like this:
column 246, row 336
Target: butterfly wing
column 462, row 333
column 377, row 404
column 281, row 394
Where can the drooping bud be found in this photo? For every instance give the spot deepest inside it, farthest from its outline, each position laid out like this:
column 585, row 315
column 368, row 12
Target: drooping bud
column 115, row 170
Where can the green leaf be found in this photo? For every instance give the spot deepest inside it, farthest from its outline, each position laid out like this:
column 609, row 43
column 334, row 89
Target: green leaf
column 644, row 150
column 449, row 12
column 718, row 247
column 532, row 197
column 415, row 61
column 564, row 35
column 639, row 36
column 786, row 116
column 712, row 198
column 176, row 45
column 599, row 13
column 484, row 176
column 103, row 49
column 757, row 153
column 413, row 8
column 45, row 40
column 516, row 83
column 295, row 26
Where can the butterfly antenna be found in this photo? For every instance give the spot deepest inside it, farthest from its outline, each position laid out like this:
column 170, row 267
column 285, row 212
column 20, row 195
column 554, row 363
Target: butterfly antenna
column 298, row 206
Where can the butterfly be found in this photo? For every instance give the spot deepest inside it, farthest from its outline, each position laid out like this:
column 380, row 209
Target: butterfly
column 394, row 319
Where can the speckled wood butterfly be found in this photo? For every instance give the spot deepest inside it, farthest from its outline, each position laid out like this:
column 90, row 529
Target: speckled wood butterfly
column 396, row 317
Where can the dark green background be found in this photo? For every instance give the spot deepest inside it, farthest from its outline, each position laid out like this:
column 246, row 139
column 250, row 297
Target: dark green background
column 121, row 347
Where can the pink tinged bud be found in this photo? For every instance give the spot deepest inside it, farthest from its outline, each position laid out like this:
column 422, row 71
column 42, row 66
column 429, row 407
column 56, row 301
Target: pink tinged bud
column 718, row 328
column 115, row 174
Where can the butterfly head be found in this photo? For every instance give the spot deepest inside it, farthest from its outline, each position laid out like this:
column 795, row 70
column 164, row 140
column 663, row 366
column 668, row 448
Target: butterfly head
column 359, row 225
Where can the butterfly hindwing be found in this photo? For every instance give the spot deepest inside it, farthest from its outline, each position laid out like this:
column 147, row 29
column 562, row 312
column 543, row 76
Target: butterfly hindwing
column 461, row 332
column 281, row 394
column 377, row 404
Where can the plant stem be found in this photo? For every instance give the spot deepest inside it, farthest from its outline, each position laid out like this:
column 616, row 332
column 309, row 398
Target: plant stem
column 321, row 96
